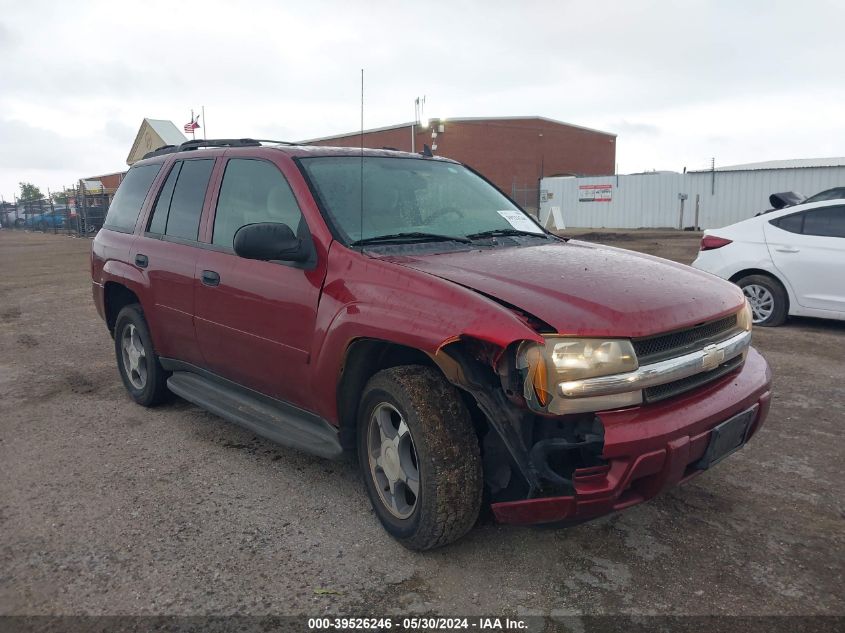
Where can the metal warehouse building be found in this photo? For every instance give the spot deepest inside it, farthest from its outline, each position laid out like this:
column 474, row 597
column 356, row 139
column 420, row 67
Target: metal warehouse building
column 513, row 152
column 667, row 199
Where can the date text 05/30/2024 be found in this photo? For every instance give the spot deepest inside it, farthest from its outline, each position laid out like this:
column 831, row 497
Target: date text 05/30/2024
column 417, row 624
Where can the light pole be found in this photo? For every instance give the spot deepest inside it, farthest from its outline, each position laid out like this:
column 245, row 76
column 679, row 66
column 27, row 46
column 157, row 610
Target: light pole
column 419, row 107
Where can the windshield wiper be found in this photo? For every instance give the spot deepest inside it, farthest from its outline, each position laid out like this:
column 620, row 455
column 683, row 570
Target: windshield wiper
column 409, row 237
column 502, row 233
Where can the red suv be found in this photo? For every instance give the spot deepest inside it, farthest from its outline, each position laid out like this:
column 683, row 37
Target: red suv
column 400, row 307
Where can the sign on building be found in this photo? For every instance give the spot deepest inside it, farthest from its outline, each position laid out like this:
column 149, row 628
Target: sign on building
column 595, row 193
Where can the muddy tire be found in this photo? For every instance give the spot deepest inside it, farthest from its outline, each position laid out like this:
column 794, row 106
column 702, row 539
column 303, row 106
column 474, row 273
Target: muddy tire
column 140, row 370
column 419, row 456
column 768, row 299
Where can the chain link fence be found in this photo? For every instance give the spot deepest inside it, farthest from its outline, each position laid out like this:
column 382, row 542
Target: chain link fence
column 79, row 212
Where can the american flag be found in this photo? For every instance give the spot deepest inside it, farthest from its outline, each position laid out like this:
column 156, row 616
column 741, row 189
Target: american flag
column 193, row 125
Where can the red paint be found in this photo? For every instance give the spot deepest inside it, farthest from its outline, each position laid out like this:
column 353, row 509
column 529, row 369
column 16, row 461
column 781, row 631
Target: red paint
column 285, row 331
column 589, row 290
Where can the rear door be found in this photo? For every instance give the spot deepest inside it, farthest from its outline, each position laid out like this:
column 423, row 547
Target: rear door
column 167, row 252
column 255, row 319
column 808, row 247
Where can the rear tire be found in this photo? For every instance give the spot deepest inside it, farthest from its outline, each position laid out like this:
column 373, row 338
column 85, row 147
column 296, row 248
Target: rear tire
column 768, row 299
column 140, row 370
column 414, row 422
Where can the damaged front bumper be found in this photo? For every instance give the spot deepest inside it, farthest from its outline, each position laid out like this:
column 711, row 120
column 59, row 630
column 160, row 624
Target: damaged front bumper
column 653, row 447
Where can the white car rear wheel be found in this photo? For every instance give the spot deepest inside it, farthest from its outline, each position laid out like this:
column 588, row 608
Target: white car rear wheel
column 767, row 297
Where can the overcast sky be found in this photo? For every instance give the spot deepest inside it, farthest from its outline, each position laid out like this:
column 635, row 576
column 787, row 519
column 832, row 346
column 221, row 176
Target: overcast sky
column 679, row 82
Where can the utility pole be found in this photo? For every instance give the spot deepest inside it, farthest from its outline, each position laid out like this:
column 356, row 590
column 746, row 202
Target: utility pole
column 713, row 176
column 697, row 201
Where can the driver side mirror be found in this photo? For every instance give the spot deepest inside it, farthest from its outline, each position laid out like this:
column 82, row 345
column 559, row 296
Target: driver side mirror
column 269, row 241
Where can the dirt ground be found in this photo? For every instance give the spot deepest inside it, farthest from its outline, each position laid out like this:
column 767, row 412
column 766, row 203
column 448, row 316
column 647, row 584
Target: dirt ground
column 109, row 508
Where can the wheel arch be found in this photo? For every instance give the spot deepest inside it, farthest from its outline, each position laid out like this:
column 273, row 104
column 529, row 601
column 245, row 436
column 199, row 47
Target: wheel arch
column 746, row 272
column 116, row 296
column 364, row 358
column 367, row 356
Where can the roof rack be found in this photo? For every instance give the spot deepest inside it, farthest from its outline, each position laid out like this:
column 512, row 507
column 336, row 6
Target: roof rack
column 219, row 142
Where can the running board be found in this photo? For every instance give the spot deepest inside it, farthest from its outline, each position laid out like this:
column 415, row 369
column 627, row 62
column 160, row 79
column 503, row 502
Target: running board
column 273, row 419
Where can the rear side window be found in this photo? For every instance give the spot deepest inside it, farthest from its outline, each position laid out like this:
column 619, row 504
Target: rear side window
column 824, row 222
column 179, row 205
column 127, row 202
column 159, row 220
column 253, row 191
column 791, row 223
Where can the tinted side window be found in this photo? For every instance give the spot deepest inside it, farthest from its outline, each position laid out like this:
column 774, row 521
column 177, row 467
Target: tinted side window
column 825, row 222
column 127, row 202
column 188, row 195
column 792, row 223
column 253, row 191
column 159, row 220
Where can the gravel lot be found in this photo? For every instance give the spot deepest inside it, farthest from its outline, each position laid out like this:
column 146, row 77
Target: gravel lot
column 109, row 508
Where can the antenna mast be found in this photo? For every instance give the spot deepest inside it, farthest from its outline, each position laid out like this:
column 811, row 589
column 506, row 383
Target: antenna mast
column 362, row 159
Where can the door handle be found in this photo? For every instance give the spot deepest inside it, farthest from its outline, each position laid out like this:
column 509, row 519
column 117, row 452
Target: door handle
column 142, row 261
column 210, row 278
column 787, row 249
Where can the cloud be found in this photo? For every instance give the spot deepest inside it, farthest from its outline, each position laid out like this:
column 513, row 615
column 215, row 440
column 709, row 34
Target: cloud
column 631, row 128
column 679, row 82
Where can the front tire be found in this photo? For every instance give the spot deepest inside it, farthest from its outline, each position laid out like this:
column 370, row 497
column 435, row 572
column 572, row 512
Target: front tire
column 419, row 456
column 768, row 299
column 140, row 370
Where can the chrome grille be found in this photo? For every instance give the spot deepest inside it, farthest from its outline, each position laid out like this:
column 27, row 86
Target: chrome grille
column 677, row 387
column 662, row 346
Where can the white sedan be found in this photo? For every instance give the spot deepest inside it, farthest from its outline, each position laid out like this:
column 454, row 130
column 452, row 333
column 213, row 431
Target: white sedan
column 788, row 262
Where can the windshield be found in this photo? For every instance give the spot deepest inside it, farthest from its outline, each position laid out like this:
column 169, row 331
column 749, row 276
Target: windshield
column 410, row 198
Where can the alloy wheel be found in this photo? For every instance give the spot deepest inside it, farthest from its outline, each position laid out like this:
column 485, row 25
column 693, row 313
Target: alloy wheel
column 761, row 300
column 134, row 357
column 393, row 460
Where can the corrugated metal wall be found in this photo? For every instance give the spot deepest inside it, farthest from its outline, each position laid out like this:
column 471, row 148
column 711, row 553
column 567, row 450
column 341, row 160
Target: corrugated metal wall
column 651, row 200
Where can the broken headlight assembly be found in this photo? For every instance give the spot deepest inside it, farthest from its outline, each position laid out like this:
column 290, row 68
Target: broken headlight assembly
column 550, row 371
column 579, row 375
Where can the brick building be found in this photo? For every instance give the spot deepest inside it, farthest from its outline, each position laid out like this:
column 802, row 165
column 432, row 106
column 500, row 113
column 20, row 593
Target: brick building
column 512, row 152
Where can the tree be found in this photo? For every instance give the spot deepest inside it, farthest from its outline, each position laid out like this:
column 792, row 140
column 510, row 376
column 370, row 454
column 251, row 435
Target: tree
column 29, row 192
column 59, row 197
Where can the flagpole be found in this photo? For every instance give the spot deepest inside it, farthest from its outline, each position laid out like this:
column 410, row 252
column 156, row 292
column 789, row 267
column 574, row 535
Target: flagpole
column 193, row 132
column 204, row 125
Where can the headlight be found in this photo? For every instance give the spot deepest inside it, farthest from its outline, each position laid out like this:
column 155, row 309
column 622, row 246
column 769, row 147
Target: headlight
column 744, row 317
column 563, row 360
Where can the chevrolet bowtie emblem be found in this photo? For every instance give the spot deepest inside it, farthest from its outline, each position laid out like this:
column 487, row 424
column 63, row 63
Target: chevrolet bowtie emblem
column 713, row 357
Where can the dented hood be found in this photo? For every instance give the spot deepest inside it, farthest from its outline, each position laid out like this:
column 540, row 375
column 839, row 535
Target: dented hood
column 588, row 289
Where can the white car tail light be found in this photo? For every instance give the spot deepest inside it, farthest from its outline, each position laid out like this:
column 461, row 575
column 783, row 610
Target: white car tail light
column 709, row 242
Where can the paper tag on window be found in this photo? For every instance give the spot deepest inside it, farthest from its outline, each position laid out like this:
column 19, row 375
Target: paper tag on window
column 520, row 222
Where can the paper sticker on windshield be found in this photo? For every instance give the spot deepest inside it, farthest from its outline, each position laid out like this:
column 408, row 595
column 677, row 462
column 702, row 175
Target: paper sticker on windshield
column 520, row 222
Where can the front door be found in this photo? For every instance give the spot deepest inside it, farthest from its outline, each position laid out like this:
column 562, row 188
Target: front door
column 255, row 319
